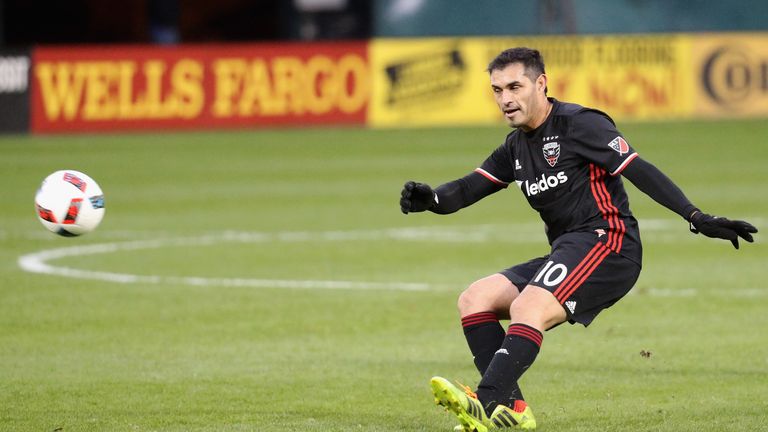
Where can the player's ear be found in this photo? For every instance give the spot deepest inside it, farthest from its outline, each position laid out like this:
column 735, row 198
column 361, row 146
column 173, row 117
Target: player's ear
column 541, row 83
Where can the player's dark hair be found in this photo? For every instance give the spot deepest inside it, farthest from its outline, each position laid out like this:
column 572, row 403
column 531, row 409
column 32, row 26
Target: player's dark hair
column 531, row 60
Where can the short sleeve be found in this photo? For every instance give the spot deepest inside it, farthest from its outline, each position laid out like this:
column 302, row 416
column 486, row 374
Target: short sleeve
column 498, row 167
column 600, row 142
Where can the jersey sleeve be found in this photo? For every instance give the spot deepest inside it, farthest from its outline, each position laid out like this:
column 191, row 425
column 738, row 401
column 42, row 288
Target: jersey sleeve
column 498, row 166
column 600, row 142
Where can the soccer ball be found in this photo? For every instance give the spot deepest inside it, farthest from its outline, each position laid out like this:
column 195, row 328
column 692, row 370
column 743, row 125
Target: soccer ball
column 69, row 203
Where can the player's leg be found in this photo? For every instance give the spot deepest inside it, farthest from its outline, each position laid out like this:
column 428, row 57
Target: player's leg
column 581, row 277
column 493, row 293
column 537, row 308
column 532, row 312
column 481, row 306
column 486, row 301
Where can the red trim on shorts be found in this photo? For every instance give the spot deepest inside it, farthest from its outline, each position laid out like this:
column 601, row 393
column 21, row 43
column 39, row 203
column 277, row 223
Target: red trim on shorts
column 582, row 271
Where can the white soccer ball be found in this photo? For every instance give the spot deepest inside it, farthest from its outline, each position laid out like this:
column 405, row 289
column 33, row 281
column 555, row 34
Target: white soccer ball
column 69, row 203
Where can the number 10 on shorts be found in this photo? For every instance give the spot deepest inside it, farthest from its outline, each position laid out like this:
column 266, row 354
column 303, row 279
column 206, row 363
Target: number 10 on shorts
column 552, row 274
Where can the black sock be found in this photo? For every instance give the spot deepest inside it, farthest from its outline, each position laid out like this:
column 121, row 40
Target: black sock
column 516, row 355
column 484, row 336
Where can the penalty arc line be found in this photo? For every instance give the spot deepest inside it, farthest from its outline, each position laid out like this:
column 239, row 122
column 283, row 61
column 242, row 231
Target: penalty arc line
column 38, row 262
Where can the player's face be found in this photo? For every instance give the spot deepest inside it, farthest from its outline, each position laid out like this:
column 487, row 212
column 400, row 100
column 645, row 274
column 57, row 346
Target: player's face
column 521, row 99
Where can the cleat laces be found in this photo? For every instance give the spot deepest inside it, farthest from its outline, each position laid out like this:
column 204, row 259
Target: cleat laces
column 468, row 390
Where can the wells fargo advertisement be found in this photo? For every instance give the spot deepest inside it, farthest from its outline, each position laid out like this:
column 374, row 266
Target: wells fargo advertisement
column 142, row 87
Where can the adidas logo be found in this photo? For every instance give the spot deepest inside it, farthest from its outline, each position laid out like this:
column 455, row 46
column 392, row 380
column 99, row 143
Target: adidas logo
column 502, row 351
column 571, row 305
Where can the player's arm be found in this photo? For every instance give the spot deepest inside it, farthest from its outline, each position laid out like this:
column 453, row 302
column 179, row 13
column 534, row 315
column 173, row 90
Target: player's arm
column 446, row 198
column 654, row 183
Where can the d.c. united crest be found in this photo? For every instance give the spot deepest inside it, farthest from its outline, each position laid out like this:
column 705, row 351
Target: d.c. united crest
column 551, row 152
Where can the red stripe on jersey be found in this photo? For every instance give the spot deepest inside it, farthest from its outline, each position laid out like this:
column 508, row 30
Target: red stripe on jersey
column 479, row 318
column 578, row 271
column 594, row 175
column 609, row 211
column 491, row 177
column 620, row 227
column 603, row 198
column 526, row 332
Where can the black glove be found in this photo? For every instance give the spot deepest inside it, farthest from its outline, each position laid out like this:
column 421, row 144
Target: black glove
column 720, row 227
column 416, row 197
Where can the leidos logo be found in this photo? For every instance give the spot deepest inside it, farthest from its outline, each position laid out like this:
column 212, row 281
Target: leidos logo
column 544, row 183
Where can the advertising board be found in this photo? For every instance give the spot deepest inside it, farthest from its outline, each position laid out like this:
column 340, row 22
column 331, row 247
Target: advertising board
column 206, row 86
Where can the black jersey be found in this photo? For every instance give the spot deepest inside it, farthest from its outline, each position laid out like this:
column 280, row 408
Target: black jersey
column 568, row 169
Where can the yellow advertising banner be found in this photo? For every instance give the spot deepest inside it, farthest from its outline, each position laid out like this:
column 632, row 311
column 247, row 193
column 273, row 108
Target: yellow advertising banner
column 424, row 82
column 638, row 77
column 427, row 82
column 731, row 74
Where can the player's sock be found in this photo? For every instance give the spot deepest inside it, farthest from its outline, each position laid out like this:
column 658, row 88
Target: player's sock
column 484, row 336
column 516, row 355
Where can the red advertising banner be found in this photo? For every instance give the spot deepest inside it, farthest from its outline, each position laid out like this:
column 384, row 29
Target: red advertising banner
column 118, row 88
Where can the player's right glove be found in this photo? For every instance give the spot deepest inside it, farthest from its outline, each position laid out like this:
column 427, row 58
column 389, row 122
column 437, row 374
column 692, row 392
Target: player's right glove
column 416, row 197
column 720, row 227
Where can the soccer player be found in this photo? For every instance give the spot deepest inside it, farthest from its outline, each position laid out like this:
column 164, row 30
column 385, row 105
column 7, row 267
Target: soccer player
column 568, row 161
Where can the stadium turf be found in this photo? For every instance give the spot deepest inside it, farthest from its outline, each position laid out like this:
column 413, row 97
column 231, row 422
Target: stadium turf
column 266, row 280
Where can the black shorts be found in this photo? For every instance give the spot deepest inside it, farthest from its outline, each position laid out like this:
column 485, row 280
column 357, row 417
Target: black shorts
column 583, row 274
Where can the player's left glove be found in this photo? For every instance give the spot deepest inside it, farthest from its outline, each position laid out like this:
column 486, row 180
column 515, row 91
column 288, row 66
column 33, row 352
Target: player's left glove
column 720, row 227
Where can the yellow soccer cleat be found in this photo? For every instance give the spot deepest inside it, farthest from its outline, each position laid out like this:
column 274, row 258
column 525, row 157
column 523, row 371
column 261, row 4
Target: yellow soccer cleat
column 519, row 417
column 462, row 403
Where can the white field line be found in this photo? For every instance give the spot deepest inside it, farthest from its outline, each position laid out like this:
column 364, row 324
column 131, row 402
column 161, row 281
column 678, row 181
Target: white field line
column 39, row 262
column 665, row 230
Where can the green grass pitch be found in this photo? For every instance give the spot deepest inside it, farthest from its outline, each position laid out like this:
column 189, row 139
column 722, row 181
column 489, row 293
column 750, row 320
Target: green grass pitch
column 271, row 283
